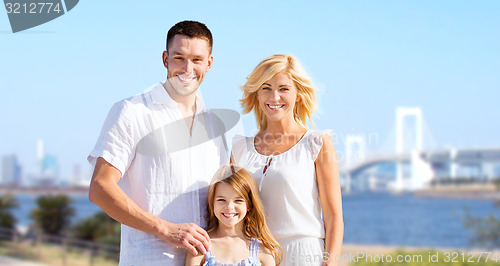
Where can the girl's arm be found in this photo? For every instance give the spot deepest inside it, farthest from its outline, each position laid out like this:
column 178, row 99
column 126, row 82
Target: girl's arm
column 327, row 174
column 265, row 257
column 193, row 260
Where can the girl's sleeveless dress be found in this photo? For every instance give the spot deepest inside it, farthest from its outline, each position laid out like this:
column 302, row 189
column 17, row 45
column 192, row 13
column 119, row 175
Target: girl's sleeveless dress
column 289, row 191
column 250, row 261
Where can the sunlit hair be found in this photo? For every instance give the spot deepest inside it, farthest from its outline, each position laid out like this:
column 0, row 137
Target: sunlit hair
column 254, row 223
column 265, row 71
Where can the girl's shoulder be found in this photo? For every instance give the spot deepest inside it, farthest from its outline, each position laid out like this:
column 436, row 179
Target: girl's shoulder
column 194, row 260
column 265, row 257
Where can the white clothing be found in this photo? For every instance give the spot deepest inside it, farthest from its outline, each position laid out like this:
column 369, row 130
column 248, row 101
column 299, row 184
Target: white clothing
column 165, row 170
column 303, row 251
column 288, row 188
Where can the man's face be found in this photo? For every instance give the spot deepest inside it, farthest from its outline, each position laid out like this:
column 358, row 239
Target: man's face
column 187, row 61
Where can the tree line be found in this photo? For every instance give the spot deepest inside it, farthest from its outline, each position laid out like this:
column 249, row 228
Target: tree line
column 52, row 216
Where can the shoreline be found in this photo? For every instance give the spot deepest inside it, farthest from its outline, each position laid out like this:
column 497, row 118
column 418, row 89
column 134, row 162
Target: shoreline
column 44, row 190
column 479, row 192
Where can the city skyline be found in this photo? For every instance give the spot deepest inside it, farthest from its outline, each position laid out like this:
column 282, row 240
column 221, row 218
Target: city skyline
column 366, row 58
column 46, row 173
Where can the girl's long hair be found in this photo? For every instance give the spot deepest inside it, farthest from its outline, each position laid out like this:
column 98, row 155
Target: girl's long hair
column 254, row 223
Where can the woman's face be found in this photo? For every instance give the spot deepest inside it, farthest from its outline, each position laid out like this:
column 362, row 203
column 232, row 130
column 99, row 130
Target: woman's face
column 277, row 97
column 229, row 207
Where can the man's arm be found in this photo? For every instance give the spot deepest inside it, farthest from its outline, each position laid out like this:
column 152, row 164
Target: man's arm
column 105, row 193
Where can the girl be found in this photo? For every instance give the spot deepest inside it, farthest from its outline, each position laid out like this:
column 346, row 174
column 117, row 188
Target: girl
column 236, row 224
column 296, row 168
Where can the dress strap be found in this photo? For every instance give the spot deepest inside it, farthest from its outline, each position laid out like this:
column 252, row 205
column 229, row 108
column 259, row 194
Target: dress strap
column 209, row 259
column 254, row 248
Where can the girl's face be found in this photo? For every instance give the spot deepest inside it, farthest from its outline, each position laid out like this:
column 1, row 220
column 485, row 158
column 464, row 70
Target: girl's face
column 229, row 207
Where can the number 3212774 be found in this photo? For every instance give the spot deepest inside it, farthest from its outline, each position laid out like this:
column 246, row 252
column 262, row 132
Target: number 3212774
column 470, row 256
column 32, row 8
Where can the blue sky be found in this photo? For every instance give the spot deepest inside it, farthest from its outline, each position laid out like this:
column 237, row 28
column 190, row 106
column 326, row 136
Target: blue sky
column 366, row 58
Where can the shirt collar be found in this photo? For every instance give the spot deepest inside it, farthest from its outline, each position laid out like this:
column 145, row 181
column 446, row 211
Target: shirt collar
column 160, row 95
column 200, row 106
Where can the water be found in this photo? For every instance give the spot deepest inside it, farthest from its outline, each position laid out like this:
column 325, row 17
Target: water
column 379, row 219
column 405, row 220
column 81, row 204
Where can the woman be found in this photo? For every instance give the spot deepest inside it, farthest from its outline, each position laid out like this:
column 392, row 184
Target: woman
column 296, row 169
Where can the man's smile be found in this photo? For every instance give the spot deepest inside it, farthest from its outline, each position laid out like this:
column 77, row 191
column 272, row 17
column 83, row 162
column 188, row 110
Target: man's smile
column 186, row 79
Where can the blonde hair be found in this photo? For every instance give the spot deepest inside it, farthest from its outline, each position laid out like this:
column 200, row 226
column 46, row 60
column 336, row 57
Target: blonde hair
column 265, row 71
column 254, row 223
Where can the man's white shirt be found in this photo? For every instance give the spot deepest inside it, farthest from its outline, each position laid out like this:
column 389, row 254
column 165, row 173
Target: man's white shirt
column 166, row 170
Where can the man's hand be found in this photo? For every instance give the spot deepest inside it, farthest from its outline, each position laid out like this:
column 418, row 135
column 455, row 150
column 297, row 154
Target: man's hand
column 189, row 236
column 105, row 192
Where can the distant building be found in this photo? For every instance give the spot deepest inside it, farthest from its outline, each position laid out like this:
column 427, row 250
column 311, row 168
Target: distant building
column 11, row 171
column 48, row 168
column 78, row 179
column 49, row 172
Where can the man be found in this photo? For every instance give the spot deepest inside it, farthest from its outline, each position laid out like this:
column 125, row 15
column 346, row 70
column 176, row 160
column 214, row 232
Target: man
column 150, row 172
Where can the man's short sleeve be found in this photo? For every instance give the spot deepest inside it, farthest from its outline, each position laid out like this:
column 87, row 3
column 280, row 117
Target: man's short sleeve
column 116, row 141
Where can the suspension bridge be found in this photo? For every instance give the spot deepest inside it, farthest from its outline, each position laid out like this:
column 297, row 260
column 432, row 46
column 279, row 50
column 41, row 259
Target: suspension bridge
column 410, row 165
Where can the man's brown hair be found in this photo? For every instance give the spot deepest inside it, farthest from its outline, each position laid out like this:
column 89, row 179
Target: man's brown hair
column 192, row 29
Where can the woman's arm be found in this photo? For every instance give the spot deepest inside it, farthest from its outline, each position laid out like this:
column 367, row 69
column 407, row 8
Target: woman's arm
column 327, row 174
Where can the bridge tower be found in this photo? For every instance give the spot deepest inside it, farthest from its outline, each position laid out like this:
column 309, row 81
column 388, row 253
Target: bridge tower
column 355, row 150
column 401, row 114
column 419, row 168
column 354, row 153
